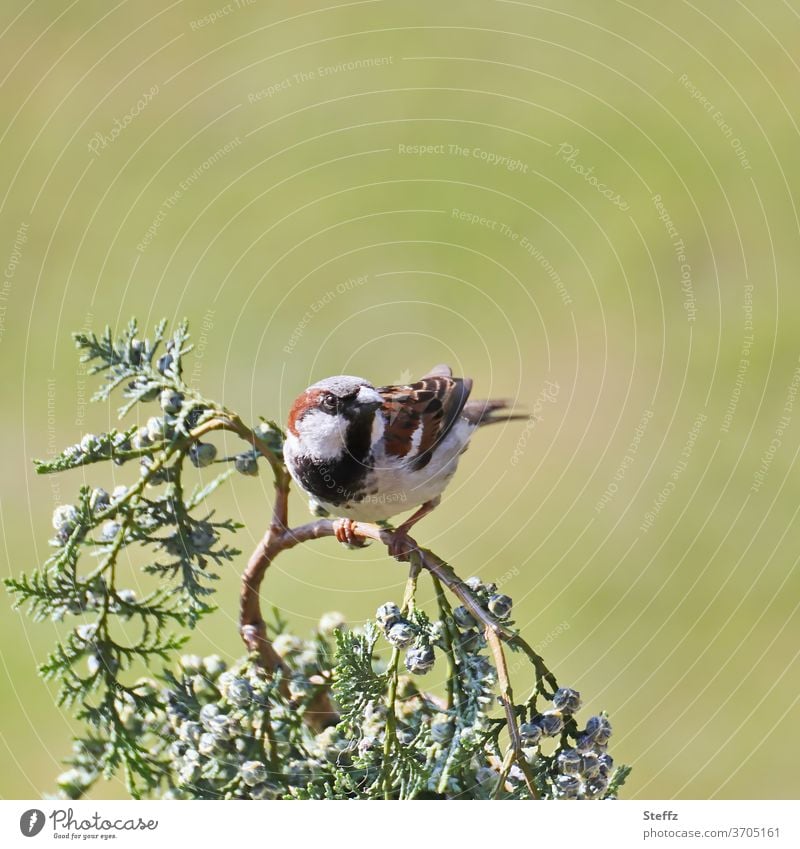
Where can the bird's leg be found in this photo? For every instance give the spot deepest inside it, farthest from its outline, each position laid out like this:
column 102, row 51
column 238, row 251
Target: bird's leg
column 400, row 547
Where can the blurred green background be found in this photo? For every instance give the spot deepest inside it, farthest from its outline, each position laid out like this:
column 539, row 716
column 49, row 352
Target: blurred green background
column 627, row 175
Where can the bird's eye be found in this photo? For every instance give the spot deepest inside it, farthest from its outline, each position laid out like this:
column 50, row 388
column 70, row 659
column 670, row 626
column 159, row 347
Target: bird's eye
column 328, row 402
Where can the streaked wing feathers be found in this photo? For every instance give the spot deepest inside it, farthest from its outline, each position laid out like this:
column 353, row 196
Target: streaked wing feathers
column 419, row 416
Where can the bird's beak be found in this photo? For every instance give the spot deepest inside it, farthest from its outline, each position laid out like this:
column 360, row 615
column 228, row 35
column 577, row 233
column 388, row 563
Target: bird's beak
column 368, row 398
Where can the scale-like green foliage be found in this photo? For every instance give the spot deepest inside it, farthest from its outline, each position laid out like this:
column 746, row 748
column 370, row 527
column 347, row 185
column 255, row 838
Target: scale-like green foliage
column 199, row 728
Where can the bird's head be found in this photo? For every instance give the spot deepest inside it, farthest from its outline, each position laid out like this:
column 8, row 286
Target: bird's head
column 329, row 413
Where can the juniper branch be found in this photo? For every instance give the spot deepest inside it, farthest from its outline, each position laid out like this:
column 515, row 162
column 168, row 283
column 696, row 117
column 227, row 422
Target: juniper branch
column 170, row 737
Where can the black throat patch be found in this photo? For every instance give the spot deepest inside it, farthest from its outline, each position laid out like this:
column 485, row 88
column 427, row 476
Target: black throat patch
column 342, row 480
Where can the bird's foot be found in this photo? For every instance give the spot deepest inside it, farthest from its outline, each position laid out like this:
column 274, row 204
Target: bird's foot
column 344, row 530
column 401, row 545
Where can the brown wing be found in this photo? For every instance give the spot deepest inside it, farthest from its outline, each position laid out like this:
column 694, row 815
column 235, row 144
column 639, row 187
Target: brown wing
column 419, row 416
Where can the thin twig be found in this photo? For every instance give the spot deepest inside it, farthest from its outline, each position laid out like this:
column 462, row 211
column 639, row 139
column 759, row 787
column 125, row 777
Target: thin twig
column 504, row 769
column 507, row 701
column 390, row 737
column 436, row 566
column 223, row 420
column 445, row 612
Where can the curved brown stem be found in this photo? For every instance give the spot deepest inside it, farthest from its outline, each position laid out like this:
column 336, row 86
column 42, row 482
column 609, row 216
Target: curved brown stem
column 280, row 537
column 251, row 623
column 320, row 528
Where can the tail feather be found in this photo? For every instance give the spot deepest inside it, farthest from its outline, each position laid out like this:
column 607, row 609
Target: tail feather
column 481, row 413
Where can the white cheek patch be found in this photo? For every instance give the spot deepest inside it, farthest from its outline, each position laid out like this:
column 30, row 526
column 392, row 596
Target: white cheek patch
column 323, row 436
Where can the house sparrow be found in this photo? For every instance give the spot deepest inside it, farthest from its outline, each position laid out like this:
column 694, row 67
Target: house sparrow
column 366, row 453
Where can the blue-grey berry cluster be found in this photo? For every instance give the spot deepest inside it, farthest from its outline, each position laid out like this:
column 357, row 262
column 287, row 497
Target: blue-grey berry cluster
column 223, row 731
column 220, row 721
column 580, row 767
column 563, row 769
column 488, row 597
column 405, row 634
column 233, row 732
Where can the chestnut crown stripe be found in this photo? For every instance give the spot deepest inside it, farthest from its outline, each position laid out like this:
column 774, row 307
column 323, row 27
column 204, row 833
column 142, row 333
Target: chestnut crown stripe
column 307, row 401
